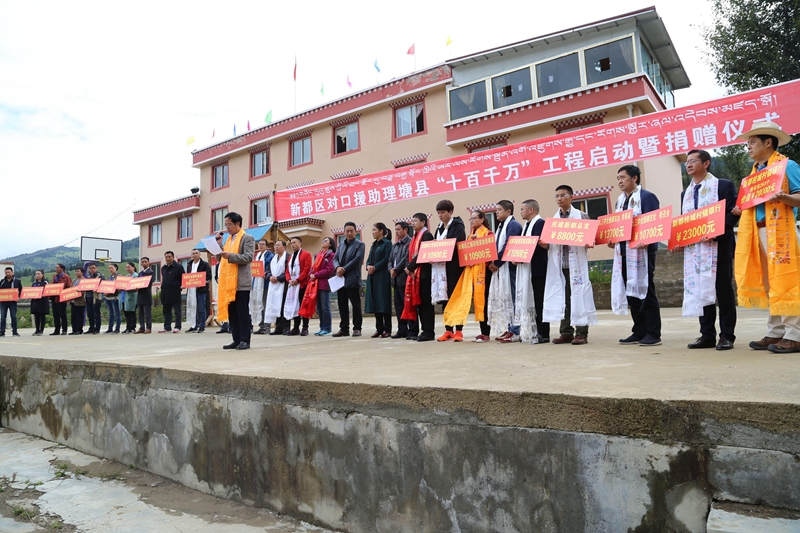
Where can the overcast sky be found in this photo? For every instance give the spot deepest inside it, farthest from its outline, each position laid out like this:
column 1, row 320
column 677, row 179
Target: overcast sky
column 98, row 99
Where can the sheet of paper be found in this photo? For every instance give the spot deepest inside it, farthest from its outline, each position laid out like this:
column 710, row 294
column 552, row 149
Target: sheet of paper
column 336, row 283
column 211, row 245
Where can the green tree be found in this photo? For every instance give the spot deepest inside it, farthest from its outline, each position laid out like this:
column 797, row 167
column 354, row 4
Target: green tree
column 753, row 44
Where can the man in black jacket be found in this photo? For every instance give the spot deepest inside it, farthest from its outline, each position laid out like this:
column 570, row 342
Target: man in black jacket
column 450, row 227
column 9, row 282
column 144, row 298
column 397, row 269
column 533, row 226
column 171, row 275
column 425, row 308
column 348, row 261
column 201, row 293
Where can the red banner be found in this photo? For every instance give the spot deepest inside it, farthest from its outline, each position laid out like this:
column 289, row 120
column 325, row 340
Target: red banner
column 436, row 251
column 107, row 286
column 193, row 279
column 759, row 187
column 257, row 269
column 89, row 284
column 520, row 249
column 123, row 282
column 651, row 227
column 690, row 228
column 569, row 231
column 615, row 227
column 670, row 132
column 475, row 251
column 31, row 293
column 9, row 295
column 53, row 289
column 139, row 283
column 69, row 294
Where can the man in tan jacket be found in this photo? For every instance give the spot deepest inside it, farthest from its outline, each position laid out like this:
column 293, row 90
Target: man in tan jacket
column 235, row 281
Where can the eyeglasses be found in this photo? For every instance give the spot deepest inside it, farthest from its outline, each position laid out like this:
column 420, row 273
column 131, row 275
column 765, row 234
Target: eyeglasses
column 560, row 196
column 692, row 161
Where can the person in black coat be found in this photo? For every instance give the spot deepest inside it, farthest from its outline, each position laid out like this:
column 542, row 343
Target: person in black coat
column 201, row 293
column 450, row 227
column 697, row 166
column 171, row 276
column 40, row 307
column 425, row 308
column 9, row 282
column 397, row 269
column 144, row 299
column 348, row 261
column 538, row 267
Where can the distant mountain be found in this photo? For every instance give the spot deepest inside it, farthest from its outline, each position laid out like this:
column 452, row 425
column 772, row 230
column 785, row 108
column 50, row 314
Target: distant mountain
column 46, row 259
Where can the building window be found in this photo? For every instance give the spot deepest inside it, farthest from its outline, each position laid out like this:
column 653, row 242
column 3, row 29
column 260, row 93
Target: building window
column 468, row 100
column 558, row 75
column 185, row 265
column 220, row 176
column 652, row 68
column 487, row 147
column 184, row 228
column 260, row 163
column 156, row 272
column 594, row 207
column 155, row 234
column 512, row 88
column 301, row 151
column 341, row 238
column 218, row 219
column 345, row 138
column 409, row 120
column 610, row 60
column 260, row 211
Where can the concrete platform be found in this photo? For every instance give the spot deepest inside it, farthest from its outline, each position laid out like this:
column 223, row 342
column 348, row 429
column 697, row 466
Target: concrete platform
column 362, row 434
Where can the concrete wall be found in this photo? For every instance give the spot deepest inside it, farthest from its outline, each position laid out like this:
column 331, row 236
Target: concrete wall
column 372, row 459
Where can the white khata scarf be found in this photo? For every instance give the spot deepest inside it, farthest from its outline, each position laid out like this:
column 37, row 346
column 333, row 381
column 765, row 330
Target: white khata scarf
column 524, row 308
column 191, row 300
column 500, row 309
column 636, row 263
column 275, row 293
column 256, row 305
column 292, row 304
column 700, row 259
column 583, row 312
column 439, row 271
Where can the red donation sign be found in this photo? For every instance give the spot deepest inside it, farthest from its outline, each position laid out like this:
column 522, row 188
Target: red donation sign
column 569, row 231
column 89, row 284
column 757, row 188
column 436, row 251
column 476, row 251
column 193, row 279
column 123, row 282
column 651, row 227
column 139, row 283
column 69, row 294
column 107, row 286
column 615, row 227
column 257, row 269
column 520, row 249
column 708, row 221
column 53, row 289
column 31, row 293
column 9, row 295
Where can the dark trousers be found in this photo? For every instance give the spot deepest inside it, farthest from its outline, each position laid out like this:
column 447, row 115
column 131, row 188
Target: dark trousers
column 40, row 319
column 168, row 308
column 76, row 314
column 239, row 317
column 538, row 296
column 145, row 317
column 383, row 322
column 645, row 313
column 59, row 315
column 353, row 295
column 130, row 320
column 727, row 306
column 297, row 319
column 486, row 329
column 425, row 309
column 93, row 313
column 5, row 308
column 565, row 328
column 200, row 313
column 405, row 328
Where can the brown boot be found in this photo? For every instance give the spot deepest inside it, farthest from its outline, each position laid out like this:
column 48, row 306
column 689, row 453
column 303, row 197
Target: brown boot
column 764, row 343
column 563, row 339
column 580, row 339
column 785, row 346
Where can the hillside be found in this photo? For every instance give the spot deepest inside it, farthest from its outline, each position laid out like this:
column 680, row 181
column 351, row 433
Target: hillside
column 46, row 259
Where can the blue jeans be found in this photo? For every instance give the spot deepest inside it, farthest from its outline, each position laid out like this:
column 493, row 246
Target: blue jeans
column 4, row 307
column 200, row 321
column 113, row 314
column 324, row 309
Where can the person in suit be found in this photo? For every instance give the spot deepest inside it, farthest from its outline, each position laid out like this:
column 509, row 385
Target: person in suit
column 171, row 280
column 422, row 279
column 348, row 261
column 40, row 307
column 500, row 309
column 632, row 284
column 235, row 281
column 397, row 270
column 196, row 296
column 706, row 189
column 445, row 276
column 539, row 273
column 144, row 299
column 379, row 282
column 61, row 277
column 9, row 282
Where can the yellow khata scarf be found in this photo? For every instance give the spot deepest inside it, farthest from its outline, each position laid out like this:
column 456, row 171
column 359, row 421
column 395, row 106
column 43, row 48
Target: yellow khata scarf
column 782, row 257
column 228, row 277
column 471, row 286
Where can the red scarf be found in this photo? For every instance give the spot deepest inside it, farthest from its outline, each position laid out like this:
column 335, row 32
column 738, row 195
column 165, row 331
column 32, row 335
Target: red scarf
column 309, row 305
column 412, row 298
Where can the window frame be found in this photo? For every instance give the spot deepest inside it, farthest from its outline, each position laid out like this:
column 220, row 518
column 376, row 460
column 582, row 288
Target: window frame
column 150, row 243
column 269, row 164
column 213, row 176
column 156, row 266
column 310, row 152
column 227, row 210
column 477, row 149
column 486, row 94
column 421, row 102
column 586, row 199
column 531, row 81
column 605, row 43
column 253, row 222
column 191, row 228
column 340, row 238
column 333, row 138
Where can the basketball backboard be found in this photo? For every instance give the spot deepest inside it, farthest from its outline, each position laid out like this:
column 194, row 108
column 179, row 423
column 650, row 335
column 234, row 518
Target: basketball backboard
column 98, row 249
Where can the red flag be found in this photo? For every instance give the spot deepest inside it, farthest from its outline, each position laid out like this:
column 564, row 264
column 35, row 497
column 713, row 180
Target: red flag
column 248, row 124
column 295, row 68
column 213, row 132
column 411, row 50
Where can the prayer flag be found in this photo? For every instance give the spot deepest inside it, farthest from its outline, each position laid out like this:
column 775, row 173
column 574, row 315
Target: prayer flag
column 190, row 141
column 376, row 66
column 295, row 68
column 248, row 124
column 449, row 41
column 322, row 89
column 213, row 132
column 348, row 82
column 234, row 130
column 268, row 118
column 411, row 50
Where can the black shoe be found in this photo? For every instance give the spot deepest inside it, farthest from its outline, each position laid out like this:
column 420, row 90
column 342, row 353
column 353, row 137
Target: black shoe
column 633, row 339
column 424, row 338
column 223, row 331
column 702, row 342
column 543, row 340
column 243, row 346
column 231, row 346
column 201, row 330
column 398, row 336
column 341, row 333
column 650, row 340
column 108, row 331
column 15, row 334
column 412, row 338
column 278, row 331
column 356, row 333
column 724, row 344
column 294, row 332
column 55, row 333
column 260, row 331
column 191, row 330
column 64, row 332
